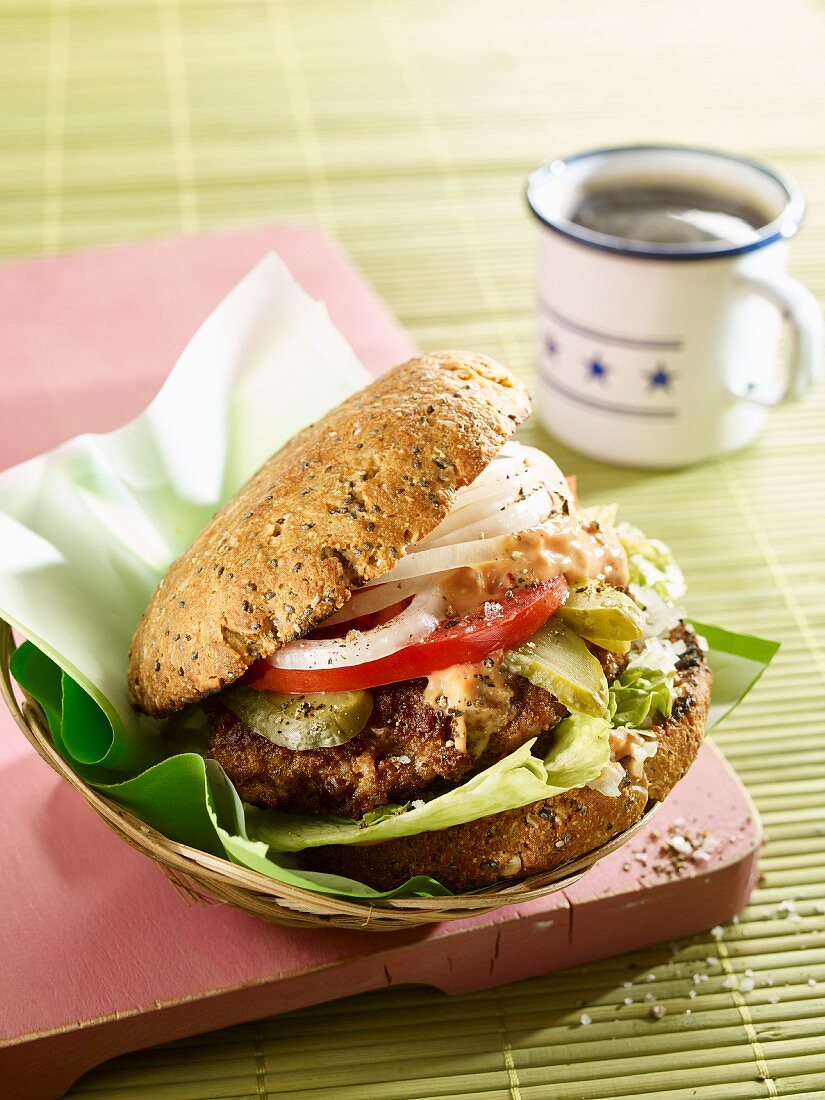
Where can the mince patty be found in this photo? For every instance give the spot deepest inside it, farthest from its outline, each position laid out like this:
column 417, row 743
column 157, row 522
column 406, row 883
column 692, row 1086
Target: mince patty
column 405, row 751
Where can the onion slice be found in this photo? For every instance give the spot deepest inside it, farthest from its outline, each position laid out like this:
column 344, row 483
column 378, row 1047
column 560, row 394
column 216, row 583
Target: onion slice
column 441, row 558
column 414, row 623
column 520, row 515
column 366, row 601
column 515, row 472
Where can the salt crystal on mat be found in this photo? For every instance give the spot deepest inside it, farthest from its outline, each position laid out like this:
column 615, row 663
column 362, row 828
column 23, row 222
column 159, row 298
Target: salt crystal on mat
column 680, row 845
column 584, row 1019
column 628, row 1001
column 747, row 984
column 717, row 931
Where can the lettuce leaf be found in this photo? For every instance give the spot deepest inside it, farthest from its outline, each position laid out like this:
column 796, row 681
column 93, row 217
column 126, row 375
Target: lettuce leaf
column 737, row 661
column 191, row 800
column 636, row 693
column 651, row 563
column 579, row 753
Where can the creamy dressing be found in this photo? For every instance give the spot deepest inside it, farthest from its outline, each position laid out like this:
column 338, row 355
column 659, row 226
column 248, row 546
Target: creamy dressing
column 570, row 544
column 476, row 697
column 631, row 748
column 621, row 741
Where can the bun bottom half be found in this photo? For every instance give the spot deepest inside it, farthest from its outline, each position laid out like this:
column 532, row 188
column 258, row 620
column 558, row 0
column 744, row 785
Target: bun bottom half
column 543, row 835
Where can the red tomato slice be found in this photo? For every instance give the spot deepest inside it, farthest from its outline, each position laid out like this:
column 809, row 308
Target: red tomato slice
column 495, row 625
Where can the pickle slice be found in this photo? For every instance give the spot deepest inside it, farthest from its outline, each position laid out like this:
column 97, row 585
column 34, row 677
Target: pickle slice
column 322, row 720
column 609, row 644
column 598, row 611
column 557, row 660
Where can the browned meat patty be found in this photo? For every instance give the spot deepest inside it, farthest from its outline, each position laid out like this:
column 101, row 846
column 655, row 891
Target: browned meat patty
column 542, row 835
column 405, row 751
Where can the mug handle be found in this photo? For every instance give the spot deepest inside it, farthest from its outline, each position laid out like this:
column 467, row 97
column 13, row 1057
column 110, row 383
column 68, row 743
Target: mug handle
column 801, row 310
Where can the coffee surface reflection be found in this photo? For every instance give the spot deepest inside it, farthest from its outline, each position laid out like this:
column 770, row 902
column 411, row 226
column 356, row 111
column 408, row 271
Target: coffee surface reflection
column 663, row 213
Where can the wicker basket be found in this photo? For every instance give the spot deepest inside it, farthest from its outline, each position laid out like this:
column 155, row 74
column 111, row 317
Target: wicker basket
column 202, row 877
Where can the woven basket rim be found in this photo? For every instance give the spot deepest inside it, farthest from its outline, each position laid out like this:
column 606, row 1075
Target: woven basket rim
column 192, row 870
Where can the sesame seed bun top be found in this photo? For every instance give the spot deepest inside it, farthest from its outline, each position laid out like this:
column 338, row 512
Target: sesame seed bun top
column 333, row 509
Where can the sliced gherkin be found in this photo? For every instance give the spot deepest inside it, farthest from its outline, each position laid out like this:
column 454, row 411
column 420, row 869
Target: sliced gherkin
column 558, row 661
column 302, row 722
column 610, row 644
column 598, row 611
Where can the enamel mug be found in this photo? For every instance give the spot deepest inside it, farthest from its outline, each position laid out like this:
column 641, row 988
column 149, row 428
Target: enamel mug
column 661, row 355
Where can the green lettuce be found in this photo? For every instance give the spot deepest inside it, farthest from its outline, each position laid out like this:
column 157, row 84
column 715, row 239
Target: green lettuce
column 651, row 563
column 636, row 693
column 580, row 751
column 192, row 801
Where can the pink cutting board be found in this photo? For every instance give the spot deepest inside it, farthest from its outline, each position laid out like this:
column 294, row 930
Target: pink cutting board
column 98, row 952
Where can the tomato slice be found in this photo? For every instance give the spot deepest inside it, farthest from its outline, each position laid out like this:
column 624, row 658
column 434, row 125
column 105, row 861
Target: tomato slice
column 500, row 624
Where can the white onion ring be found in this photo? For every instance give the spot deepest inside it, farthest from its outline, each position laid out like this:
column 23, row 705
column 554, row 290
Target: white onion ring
column 514, row 472
column 414, row 623
column 366, row 601
column 520, row 515
column 475, row 510
column 499, row 483
column 441, row 558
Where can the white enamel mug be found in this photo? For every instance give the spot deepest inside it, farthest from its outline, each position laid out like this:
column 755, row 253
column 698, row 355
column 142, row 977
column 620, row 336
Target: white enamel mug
column 662, row 355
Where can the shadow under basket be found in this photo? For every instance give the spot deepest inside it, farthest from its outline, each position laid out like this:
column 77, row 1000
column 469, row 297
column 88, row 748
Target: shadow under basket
column 202, row 877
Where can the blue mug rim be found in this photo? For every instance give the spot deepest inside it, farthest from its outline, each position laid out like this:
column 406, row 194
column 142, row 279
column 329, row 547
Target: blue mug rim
column 784, row 226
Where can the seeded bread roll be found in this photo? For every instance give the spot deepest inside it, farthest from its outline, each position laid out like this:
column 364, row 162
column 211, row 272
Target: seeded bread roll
column 334, row 508
column 681, row 735
column 510, row 845
column 543, row 835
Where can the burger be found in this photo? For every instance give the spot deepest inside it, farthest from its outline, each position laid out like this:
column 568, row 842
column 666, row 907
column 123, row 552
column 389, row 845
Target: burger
column 418, row 654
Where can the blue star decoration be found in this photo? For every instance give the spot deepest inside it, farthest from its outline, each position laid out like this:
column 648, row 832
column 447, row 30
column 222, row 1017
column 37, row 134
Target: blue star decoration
column 661, row 378
column 597, row 369
column 550, row 345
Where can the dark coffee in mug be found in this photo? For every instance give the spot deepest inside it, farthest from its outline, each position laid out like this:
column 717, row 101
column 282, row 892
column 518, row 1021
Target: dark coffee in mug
column 660, row 211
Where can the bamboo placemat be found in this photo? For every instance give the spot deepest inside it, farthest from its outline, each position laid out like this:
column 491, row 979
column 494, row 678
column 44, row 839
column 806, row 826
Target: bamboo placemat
column 405, row 130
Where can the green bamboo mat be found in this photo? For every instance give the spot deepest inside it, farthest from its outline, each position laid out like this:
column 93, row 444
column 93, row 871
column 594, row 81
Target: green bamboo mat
column 405, row 128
